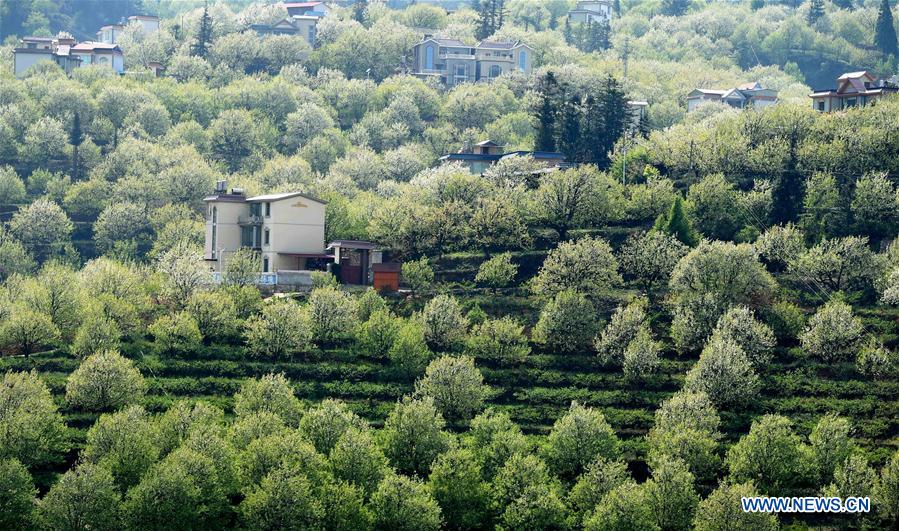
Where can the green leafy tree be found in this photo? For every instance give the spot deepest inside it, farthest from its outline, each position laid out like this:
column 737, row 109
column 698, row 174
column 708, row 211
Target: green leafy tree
column 578, row 438
column 598, row 479
column 324, row 424
column 215, row 314
column 200, row 48
column 456, row 387
column 815, row 11
column 280, row 330
column 272, row 393
column 176, row 334
column 418, row 275
column 497, row 272
column 567, row 323
column 413, row 435
column 886, row 491
column 755, row 338
column 834, row 333
column 722, row 510
column 686, row 428
column 105, row 381
column 356, row 458
column 17, row 495
column 166, row 497
column 333, row 315
column 501, row 339
column 626, row 323
column 85, row 497
column 830, row 445
column 724, row 373
column 625, row 507
column 586, row 266
column 410, row 352
column 649, row 258
column 671, row 494
column 494, row 440
column 456, row 485
column 26, row 331
column 31, row 428
column 42, row 227
column 402, row 503
column 283, row 500
column 123, row 442
column 770, row 454
column 641, row 357
column 444, row 324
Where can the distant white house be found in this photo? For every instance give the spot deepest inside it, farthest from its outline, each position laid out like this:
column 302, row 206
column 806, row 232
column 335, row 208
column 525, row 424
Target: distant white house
column 302, row 20
column 34, row 50
column 110, row 33
column 746, row 95
column 592, row 11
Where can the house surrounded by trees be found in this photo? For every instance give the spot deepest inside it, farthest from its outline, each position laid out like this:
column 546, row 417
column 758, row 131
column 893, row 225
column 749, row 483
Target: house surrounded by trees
column 287, row 229
column 746, row 95
column 454, row 62
column 854, row 89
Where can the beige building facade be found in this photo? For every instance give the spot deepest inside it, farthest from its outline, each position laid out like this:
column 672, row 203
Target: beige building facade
column 286, row 229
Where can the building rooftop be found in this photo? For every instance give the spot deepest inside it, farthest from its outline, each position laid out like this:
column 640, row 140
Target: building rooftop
column 286, row 195
column 301, row 4
column 91, row 46
column 498, row 45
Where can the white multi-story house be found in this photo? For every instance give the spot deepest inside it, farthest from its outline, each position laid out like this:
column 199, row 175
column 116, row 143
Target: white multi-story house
column 454, row 62
column 746, row 95
column 287, row 229
column 34, row 50
column 592, row 11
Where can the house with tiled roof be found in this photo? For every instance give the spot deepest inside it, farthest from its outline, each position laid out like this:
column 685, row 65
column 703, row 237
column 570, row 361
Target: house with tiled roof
column 591, row 11
column 454, row 62
column 854, row 89
column 100, row 53
column 486, row 153
column 742, row 96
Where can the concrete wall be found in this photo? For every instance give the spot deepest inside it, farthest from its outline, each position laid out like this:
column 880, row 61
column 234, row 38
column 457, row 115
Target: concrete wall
column 227, row 231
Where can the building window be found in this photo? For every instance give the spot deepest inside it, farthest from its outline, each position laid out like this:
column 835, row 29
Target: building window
column 268, row 210
column 311, row 35
column 461, row 72
column 522, row 60
column 429, row 58
column 495, row 71
column 267, row 238
column 214, row 214
column 821, row 105
column 265, row 265
column 851, row 102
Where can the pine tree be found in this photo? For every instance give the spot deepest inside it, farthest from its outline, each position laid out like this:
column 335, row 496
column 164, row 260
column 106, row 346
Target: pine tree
column 570, row 139
column 76, row 137
column 843, row 4
column 485, row 23
column 616, row 117
column 546, row 114
column 675, row 8
column 359, row 10
column 677, row 224
column 617, row 7
column 204, row 35
column 602, row 33
column 885, row 32
column 567, row 31
column 815, row 11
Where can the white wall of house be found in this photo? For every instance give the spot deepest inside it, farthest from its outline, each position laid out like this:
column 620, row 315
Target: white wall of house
column 26, row 59
column 222, row 221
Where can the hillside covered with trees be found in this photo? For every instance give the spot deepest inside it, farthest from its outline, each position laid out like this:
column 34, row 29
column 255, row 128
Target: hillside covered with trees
column 701, row 307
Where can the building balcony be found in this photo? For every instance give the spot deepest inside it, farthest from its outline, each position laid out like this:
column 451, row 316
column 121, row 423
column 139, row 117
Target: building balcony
column 250, row 220
column 456, row 56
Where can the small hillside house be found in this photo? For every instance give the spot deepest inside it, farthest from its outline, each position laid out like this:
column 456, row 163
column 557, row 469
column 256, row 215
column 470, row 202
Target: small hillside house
column 591, row 11
column 34, row 50
column 486, row 153
column 453, row 62
column 854, row 89
column 287, row 229
column 302, row 20
column 746, row 95
column 100, row 53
